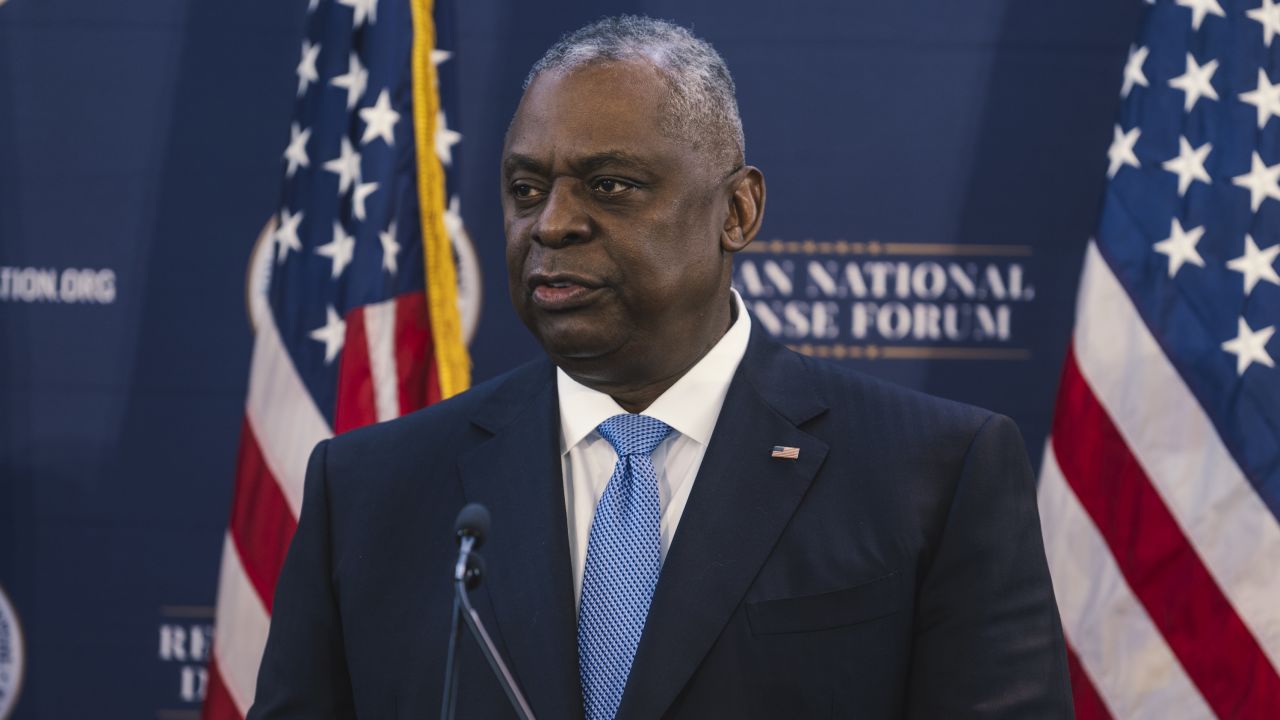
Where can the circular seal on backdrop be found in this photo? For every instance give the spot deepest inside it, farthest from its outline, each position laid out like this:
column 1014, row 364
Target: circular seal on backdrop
column 11, row 657
column 470, row 286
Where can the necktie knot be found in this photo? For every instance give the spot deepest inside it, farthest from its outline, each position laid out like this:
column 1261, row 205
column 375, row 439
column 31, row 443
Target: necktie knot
column 632, row 434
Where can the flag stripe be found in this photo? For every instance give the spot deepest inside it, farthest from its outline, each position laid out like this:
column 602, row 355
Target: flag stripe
column 261, row 523
column 1181, row 452
column 1201, row 627
column 282, row 414
column 380, row 333
column 413, row 353
column 355, row 382
column 241, row 632
column 1133, row 669
column 1089, row 705
column 217, row 701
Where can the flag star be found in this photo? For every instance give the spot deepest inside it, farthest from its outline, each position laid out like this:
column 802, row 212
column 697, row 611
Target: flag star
column 390, row 248
column 1195, row 82
column 1133, row 74
column 445, row 139
column 346, row 165
column 380, row 120
column 333, row 334
column 1200, row 8
column 286, row 234
column 1121, row 151
column 439, row 57
column 1180, row 247
column 307, row 73
column 1189, row 165
column 355, row 80
column 339, row 250
column 363, row 191
column 362, row 10
column 453, row 217
column 1263, row 182
column 296, row 153
column 1250, row 346
column 1256, row 264
column 1266, row 98
column 1268, row 15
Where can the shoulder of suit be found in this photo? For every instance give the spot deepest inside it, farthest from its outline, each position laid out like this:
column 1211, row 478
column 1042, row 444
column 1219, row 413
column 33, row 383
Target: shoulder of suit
column 851, row 390
column 443, row 421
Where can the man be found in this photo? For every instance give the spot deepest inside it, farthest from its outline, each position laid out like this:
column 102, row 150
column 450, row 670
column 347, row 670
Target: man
column 689, row 521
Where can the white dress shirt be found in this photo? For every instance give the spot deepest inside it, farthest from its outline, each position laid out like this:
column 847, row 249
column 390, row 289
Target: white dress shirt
column 690, row 406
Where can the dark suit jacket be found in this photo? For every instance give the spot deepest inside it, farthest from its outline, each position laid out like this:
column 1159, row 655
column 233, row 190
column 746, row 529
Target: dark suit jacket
column 894, row 570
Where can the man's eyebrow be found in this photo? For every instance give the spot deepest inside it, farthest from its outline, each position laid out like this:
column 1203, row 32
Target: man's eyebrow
column 595, row 161
column 516, row 161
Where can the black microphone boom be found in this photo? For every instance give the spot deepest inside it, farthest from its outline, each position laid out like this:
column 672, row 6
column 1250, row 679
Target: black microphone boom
column 472, row 527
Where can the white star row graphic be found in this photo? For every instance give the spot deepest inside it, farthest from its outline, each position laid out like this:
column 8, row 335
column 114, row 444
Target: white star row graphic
column 1197, row 83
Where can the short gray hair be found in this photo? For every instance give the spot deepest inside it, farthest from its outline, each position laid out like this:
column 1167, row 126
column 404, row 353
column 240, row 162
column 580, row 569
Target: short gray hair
column 703, row 105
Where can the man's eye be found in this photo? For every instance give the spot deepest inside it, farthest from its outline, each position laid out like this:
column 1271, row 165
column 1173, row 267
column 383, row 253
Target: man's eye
column 610, row 186
column 524, row 191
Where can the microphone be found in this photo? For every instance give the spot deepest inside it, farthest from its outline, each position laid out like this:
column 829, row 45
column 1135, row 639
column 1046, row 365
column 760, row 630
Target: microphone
column 470, row 530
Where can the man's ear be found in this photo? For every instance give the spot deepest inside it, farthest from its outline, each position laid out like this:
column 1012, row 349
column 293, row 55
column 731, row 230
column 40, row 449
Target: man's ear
column 746, row 209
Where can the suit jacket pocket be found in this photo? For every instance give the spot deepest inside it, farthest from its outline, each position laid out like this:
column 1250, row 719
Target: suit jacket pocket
column 860, row 603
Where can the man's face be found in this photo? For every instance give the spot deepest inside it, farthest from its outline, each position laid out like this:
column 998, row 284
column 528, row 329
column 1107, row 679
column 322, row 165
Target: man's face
column 613, row 227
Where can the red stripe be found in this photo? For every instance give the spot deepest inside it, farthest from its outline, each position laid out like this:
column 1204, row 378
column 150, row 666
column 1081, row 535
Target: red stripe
column 1088, row 703
column 1219, row 654
column 415, row 365
column 262, row 524
column 356, row 406
column 218, row 704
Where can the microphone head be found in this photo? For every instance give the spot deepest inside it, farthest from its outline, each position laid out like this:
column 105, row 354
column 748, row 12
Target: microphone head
column 473, row 522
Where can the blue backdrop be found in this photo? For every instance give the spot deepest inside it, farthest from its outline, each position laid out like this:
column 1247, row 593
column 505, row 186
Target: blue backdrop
column 934, row 170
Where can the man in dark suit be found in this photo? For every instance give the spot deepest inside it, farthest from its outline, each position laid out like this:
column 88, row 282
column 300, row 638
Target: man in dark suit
column 689, row 520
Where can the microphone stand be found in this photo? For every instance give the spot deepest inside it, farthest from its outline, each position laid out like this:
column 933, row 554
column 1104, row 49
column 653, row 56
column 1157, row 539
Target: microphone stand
column 466, row 575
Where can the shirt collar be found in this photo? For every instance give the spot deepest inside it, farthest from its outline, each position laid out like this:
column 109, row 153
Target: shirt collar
column 690, row 406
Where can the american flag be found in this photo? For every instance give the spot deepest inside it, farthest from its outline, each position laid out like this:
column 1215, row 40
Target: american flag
column 1160, row 490
column 353, row 294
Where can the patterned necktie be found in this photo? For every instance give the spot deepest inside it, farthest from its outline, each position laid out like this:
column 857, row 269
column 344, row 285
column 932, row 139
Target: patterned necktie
column 623, row 561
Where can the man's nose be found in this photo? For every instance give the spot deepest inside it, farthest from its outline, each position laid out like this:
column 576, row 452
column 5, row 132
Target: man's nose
column 564, row 219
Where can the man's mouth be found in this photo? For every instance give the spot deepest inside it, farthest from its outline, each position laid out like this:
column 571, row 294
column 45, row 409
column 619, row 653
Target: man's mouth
column 562, row 292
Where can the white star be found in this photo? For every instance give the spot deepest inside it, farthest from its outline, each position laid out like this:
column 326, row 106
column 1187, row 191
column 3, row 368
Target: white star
column 296, row 153
column 1250, row 346
column 1263, row 182
column 1189, row 165
column 355, row 81
column 307, row 66
column 1121, row 151
column 286, row 234
column 363, row 190
column 1256, row 264
column 1200, row 8
column 445, row 139
column 1133, row 74
column 1266, row 98
column 333, row 334
column 453, row 217
column 390, row 248
column 346, row 165
column 1267, row 15
column 362, row 9
column 440, row 56
column 380, row 120
column 1195, row 82
column 339, row 250
column 1180, row 246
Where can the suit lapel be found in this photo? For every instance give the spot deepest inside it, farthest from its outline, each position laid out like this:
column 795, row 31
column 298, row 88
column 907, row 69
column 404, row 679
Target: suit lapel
column 529, row 584
column 741, row 501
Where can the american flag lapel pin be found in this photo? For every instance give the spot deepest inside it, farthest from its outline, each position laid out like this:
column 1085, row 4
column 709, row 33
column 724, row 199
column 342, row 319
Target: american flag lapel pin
column 785, row 453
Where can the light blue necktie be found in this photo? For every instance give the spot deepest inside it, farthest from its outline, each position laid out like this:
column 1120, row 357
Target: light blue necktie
column 624, row 558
